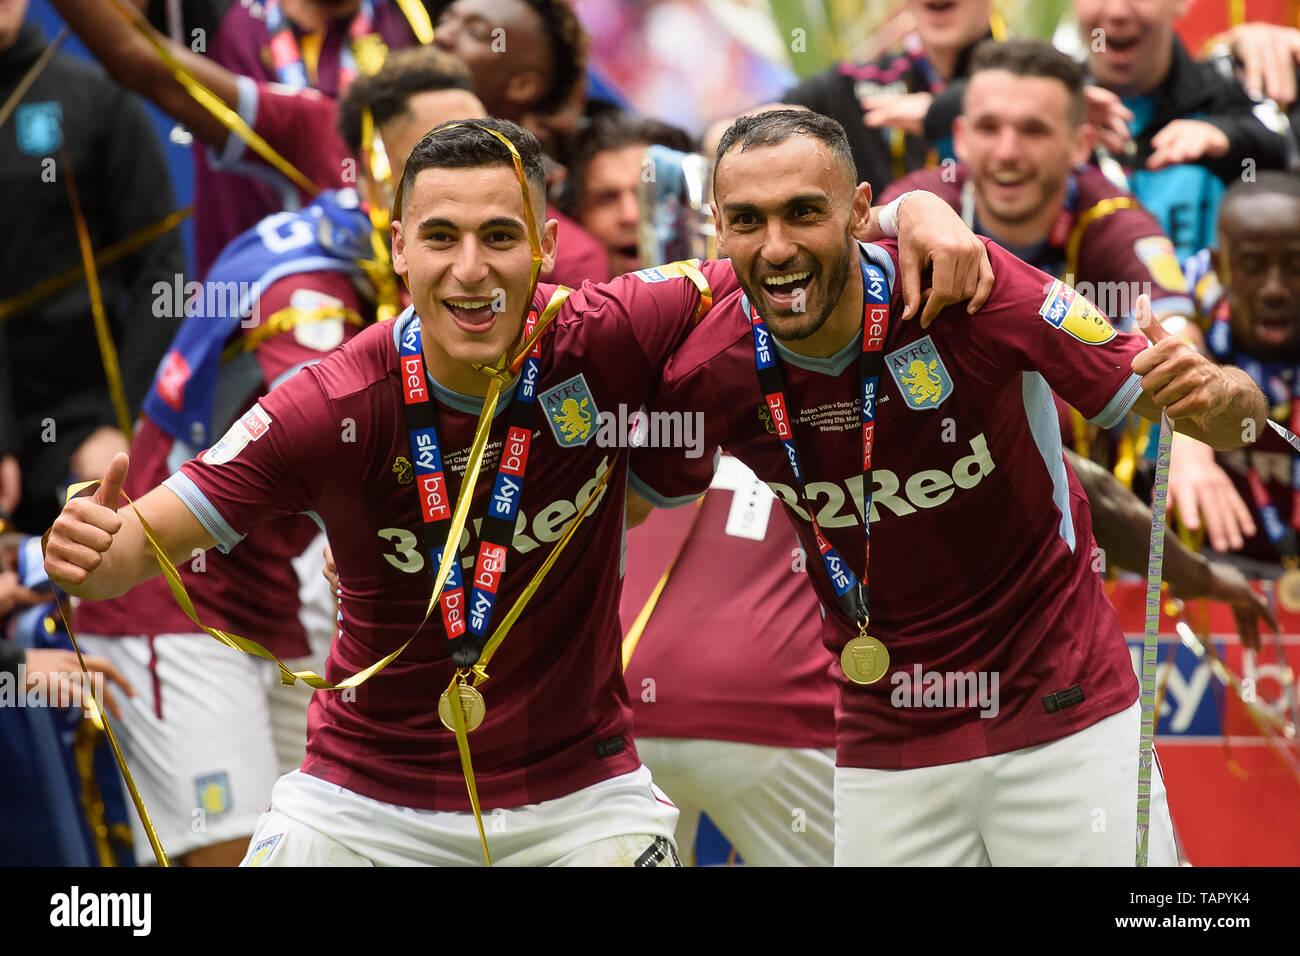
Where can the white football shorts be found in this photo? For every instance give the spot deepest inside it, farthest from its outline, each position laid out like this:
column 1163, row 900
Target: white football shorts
column 1069, row 802
column 775, row 804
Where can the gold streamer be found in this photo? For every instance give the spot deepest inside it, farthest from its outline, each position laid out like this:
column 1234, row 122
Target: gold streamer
column 374, row 157
column 103, row 334
column 633, row 637
column 30, row 76
column 215, row 105
column 94, row 708
column 290, row 317
column 466, row 763
column 105, row 257
column 418, row 18
column 502, row 629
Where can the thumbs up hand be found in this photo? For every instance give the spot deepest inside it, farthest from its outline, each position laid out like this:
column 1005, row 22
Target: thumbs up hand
column 84, row 531
column 1177, row 377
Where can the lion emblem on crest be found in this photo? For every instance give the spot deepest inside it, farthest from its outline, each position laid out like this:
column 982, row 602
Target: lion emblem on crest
column 922, row 383
column 574, row 419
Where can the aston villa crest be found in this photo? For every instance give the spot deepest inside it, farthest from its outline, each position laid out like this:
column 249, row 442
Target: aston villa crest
column 919, row 372
column 572, row 411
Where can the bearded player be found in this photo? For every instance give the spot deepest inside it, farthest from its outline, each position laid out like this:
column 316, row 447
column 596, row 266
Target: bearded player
column 988, row 709
column 556, row 770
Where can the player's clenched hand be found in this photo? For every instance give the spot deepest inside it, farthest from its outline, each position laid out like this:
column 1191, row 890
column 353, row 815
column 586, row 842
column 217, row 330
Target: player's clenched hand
column 1205, row 495
column 1177, row 377
column 932, row 236
column 84, row 530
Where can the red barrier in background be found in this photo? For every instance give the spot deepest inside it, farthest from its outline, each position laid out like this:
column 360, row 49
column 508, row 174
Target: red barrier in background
column 1234, row 802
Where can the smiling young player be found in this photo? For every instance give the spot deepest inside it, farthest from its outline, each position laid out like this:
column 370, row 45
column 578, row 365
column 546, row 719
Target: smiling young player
column 988, row 709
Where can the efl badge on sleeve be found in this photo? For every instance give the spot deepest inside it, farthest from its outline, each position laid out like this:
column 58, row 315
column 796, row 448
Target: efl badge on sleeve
column 571, row 411
column 1157, row 254
column 214, row 793
column 1070, row 312
column 920, row 375
column 39, row 127
column 251, row 427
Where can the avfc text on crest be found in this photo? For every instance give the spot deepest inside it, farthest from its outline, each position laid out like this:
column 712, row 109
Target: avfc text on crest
column 572, row 412
column 920, row 374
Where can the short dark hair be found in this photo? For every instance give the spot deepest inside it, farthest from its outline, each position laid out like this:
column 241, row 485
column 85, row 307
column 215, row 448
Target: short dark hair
column 467, row 144
column 774, row 127
column 405, row 73
column 568, row 43
column 1023, row 57
column 1266, row 182
column 616, row 129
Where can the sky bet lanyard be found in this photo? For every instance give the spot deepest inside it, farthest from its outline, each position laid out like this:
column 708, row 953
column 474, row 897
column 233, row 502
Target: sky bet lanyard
column 498, row 528
column 864, row 658
column 286, row 56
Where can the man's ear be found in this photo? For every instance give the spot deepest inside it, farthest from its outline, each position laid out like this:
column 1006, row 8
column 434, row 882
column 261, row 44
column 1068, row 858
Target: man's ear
column 720, row 231
column 525, row 87
column 550, row 244
column 861, row 214
column 399, row 247
column 959, row 138
column 1085, row 137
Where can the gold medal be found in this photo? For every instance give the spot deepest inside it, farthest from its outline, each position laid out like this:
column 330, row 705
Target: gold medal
column 864, row 659
column 472, row 707
column 1288, row 590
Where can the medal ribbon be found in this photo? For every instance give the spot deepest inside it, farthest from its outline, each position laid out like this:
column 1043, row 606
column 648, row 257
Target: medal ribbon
column 1151, row 638
column 498, row 526
column 851, row 592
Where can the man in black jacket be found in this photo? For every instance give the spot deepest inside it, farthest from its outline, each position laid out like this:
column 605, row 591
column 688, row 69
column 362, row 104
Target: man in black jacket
column 937, row 54
column 73, row 114
column 1193, row 128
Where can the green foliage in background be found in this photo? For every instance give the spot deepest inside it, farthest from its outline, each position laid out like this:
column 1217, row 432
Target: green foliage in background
column 821, row 32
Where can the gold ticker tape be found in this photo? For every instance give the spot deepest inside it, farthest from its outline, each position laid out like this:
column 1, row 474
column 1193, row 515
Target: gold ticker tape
column 103, row 334
column 105, row 257
column 290, row 317
column 418, row 18
column 634, row 632
column 214, row 104
column 30, row 76
column 102, row 717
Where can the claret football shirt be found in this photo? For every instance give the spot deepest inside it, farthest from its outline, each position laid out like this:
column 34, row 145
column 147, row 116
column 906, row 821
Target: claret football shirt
column 332, row 441
column 254, row 591
column 983, row 576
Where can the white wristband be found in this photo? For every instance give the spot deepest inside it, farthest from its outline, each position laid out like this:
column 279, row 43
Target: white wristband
column 889, row 215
